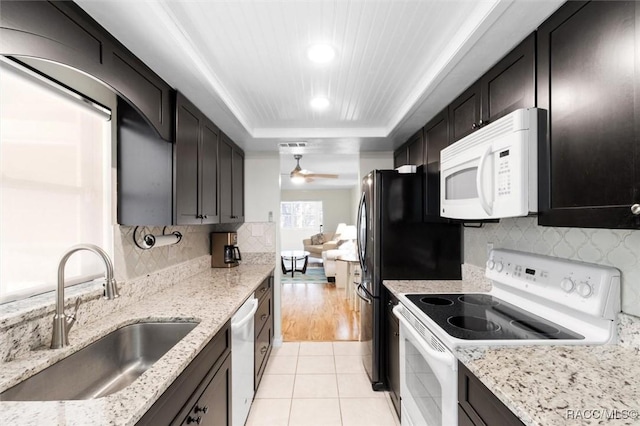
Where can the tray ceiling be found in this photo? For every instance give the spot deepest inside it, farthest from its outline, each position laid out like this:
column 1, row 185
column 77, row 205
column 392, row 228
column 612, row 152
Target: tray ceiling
column 245, row 64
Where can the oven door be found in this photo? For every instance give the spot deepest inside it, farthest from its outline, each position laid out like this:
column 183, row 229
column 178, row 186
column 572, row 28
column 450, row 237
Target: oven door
column 428, row 379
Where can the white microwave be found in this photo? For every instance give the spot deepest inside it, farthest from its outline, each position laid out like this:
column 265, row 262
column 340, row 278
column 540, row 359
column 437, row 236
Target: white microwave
column 493, row 172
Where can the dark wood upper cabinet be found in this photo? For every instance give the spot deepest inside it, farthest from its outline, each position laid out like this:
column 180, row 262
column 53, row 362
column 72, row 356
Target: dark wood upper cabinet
column 588, row 81
column 60, row 31
column 195, row 166
column 510, row 84
column 415, row 149
column 410, row 152
column 231, row 181
column 400, row 157
column 464, row 113
column 507, row 86
column 436, row 138
column 145, row 178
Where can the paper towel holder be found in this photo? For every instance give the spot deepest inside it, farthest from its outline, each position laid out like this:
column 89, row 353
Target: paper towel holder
column 149, row 240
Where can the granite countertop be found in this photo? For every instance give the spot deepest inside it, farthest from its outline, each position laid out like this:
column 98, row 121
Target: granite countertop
column 552, row 385
column 210, row 297
column 561, row 385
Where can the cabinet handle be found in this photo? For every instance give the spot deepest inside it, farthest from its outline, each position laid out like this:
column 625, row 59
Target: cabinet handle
column 263, row 317
column 204, row 409
column 635, row 209
column 204, row 217
column 196, row 420
column 263, row 350
column 475, row 126
column 482, row 123
column 198, row 216
column 395, row 333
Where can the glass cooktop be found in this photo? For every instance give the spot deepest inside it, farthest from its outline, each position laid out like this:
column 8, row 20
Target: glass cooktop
column 484, row 317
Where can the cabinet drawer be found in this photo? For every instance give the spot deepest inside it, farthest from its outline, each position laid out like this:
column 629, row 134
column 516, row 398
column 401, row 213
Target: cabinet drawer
column 262, row 351
column 264, row 289
column 263, row 315
column 173, row 400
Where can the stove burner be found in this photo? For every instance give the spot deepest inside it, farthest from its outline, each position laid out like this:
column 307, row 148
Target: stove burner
column 473, row 323
column 440, row 301
column 478, row 300
column 537, row 327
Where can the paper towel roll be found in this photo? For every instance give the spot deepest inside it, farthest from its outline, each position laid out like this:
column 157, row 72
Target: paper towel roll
column 162, row 240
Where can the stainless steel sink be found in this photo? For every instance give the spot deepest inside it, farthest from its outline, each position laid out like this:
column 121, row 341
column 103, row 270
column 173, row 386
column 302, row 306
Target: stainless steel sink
column 105, row 366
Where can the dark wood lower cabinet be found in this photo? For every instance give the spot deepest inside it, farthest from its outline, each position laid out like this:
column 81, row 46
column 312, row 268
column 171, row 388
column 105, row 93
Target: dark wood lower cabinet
column 393, row 353
column 263, row 323
column 213, row 405
column 206, row 382
column 478, row 406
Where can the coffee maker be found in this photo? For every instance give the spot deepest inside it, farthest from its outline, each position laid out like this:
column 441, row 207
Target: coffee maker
column 224, row 250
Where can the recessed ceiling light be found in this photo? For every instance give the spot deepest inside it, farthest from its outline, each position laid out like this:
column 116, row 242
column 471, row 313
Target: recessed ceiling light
column 319, row 103
column 321, row 53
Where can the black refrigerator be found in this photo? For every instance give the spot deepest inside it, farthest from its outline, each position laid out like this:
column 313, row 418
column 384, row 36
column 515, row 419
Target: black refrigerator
column 396, row 243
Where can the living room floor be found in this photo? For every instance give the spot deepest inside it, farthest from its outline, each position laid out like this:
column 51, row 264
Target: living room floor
column 319, row 384
column 317, row 312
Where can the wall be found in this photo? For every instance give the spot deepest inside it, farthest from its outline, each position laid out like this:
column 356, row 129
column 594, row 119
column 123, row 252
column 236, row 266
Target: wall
column 336, row 208
column 619, row 248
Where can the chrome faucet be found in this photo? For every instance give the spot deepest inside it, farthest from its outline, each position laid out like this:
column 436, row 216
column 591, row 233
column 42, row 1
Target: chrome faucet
column 62, row 322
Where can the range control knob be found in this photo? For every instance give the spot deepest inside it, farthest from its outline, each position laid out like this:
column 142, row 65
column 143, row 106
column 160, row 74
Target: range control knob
column 584, row 289
column 490, row 264
column 567, row 285
column 499, row 266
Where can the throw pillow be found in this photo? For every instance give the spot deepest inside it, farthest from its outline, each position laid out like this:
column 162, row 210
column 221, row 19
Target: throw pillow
column 317, row 239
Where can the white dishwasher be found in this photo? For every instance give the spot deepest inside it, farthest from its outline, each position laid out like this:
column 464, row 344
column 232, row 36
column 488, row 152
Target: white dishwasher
column 242, row 347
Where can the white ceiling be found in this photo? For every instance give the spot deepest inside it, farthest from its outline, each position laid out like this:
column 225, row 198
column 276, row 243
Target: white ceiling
column 243, row 62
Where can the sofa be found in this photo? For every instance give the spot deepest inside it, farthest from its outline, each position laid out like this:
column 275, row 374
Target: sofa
column 329, row 257
column 315, row 250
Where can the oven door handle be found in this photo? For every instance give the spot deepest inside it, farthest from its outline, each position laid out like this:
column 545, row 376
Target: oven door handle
column 446, row 358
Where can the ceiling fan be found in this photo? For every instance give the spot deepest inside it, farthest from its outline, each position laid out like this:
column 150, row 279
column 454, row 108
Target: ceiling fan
column 299, row 175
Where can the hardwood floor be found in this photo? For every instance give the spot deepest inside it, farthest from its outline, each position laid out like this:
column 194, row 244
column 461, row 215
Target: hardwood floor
column 317, row 312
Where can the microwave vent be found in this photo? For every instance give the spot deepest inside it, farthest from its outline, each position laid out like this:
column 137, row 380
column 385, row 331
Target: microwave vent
column 508, row 124
column 292, row 144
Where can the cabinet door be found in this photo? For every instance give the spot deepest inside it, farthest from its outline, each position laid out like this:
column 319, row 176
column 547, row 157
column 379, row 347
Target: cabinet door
column 464, row 113
column 510, row 84
column 209, row 176
column 213, row 408
column 436, row 138
column 393, row 353
column 226, row 179
column 480, row 405
column 400, row 157
column 237, row 196
column 588, row 82
column 186, row 162
column 415, row 149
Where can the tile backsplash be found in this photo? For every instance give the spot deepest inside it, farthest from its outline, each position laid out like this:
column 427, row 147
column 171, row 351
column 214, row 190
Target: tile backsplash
column 618, row 248
column 257, row 237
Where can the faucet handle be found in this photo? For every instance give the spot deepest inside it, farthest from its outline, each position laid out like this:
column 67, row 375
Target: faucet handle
column 71, row 318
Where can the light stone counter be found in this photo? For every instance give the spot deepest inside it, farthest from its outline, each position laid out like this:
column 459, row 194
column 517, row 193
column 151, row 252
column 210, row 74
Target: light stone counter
column 210, row 297
column 552, row 385
column 561, row 385
column 473, row 281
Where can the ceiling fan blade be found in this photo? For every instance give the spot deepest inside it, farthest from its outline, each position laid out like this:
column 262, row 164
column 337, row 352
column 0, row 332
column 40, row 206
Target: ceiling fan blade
column 322, row 175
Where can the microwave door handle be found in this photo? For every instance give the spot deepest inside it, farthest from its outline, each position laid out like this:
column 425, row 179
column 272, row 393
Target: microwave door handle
column 486, row 205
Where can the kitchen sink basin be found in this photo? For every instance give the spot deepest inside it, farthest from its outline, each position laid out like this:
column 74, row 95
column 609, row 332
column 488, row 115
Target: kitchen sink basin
column 105, row 366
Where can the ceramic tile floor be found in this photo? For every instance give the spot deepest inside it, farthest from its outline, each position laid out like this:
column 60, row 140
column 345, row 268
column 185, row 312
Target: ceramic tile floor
column 319, row 384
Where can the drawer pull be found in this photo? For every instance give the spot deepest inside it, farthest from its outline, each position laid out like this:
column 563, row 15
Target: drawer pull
column 263, row 317
column 263, row 350
column 635, row 209
column 196, row 420
column 203, row 409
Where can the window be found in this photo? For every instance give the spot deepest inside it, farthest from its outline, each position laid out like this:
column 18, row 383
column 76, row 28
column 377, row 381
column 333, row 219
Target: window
column 301, row 214
column 55, row 164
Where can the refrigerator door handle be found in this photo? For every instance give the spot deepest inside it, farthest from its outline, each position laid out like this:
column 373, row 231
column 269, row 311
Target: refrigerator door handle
column 362, row 245
column 362, row 294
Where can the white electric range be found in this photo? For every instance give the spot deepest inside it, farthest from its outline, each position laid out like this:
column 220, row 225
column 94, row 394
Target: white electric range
column 534, row 300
